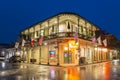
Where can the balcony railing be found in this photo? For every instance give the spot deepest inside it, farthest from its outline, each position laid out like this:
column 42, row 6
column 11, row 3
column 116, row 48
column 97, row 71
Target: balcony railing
column 60, row 35
column 66, row 34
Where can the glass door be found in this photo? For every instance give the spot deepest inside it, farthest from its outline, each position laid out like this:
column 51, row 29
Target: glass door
column 67, row 57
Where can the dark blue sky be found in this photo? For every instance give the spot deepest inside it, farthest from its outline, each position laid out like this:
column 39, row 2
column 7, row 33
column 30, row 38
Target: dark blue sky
column 16, row 15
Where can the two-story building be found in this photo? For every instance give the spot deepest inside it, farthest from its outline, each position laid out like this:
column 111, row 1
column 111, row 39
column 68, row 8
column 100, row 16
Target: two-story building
column 64, row 39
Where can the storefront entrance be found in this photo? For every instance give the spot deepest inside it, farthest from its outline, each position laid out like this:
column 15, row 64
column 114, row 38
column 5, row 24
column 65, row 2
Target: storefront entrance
column 67, row 57
column 70, row 52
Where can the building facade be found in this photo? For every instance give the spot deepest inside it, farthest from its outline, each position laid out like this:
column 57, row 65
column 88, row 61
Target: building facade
column 6, row 51
column 64, row 39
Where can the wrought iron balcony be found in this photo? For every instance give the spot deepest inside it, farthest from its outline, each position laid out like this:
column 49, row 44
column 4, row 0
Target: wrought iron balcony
column 60, row 35
column 66, row 35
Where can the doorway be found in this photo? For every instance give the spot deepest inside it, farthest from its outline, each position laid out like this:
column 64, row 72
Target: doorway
column 67, row 57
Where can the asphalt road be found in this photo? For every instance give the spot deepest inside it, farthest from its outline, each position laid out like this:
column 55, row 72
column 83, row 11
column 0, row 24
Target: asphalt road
column 22, row 71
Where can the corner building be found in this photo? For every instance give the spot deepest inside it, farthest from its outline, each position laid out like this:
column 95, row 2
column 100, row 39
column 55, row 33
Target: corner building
column 66, row 40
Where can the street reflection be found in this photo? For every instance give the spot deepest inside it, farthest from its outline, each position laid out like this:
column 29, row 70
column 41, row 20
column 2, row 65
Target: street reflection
column 97, row 72
column 106, row 71
column 71, row 73
column 3, row 65
column 88, row 72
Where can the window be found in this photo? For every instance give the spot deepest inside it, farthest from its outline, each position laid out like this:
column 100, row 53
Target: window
column 62, row 28
column 37, row 34
column 75, row 28
column 42, row 32
column 84, row 31
column 32, row 35
column 50, row 30
column 46, row 32
column 80, row 29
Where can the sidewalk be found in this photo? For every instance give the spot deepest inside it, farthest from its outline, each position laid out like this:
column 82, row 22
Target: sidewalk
column 68, row 65
column 8, row 66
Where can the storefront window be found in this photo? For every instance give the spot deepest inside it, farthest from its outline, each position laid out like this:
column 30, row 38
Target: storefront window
column 44, row 55
column 52, row 54
column 96, row 54
column 88, row 53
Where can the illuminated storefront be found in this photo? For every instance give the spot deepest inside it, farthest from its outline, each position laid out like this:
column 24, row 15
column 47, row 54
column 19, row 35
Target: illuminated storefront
column 66, row 40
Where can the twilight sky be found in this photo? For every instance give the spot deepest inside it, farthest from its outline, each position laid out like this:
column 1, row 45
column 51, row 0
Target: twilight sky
column 16, row 15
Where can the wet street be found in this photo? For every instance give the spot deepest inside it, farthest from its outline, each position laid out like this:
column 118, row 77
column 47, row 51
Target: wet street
column 100, row 71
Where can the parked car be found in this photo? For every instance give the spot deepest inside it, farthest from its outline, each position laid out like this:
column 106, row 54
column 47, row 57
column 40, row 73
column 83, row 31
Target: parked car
column 15, row 59
column 2, row 58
